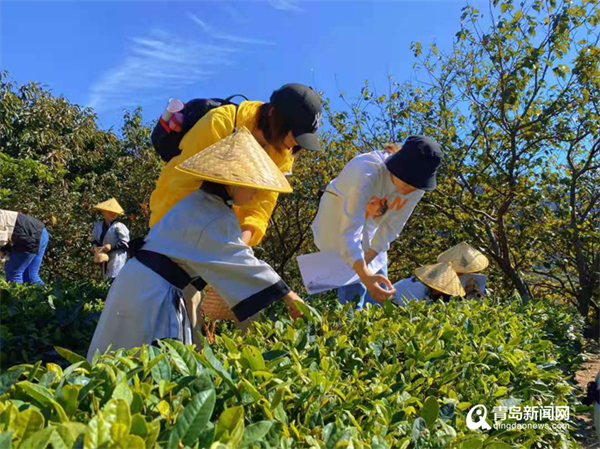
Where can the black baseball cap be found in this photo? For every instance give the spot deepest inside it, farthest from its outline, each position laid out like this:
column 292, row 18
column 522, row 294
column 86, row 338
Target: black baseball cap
column 417, row 162
column 301, row 107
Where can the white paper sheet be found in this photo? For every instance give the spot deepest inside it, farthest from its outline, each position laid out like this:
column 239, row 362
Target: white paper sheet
column 326, row 270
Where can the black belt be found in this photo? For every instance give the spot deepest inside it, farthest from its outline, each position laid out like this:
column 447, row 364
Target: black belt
column 170, row 271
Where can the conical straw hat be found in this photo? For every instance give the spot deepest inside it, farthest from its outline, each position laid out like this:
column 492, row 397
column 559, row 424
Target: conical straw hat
column 111, row 205
column 441, row 277
column 237, row 160
column 464, row 258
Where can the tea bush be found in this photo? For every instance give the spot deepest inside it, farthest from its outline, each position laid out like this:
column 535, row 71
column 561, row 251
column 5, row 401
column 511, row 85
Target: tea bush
column 35, row 319
column 382, row 378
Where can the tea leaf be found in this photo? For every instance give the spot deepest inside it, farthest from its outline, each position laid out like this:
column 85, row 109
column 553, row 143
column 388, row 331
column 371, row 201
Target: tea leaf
column 193, row 419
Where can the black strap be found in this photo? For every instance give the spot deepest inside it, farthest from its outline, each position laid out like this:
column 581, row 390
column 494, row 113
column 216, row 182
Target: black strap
column 166, row 268
column 174, row 275
column 105, row 228
column 228, row 101
column 199, row 283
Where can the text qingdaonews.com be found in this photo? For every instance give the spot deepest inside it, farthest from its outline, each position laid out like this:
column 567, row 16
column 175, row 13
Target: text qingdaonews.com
column 523, row 426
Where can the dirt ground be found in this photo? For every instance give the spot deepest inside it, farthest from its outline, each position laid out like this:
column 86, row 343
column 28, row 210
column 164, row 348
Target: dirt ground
column 587, row 433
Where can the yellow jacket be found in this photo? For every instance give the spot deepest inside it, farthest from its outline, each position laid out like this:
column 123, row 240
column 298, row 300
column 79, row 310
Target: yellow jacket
column 173, row 185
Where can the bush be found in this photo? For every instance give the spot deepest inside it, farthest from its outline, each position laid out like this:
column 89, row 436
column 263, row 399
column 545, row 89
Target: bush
column 382, row 378
column 35, row 319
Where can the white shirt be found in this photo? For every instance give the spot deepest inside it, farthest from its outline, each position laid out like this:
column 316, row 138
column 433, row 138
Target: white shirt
column 341, row 223
column 410, row 289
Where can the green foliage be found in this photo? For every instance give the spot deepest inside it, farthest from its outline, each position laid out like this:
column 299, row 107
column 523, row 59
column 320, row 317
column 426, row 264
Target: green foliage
column 36, row 319
column 56, row 164
column 384, row 378
column 514, row 104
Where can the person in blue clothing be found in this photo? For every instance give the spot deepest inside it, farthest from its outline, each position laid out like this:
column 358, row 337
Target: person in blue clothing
column 110, row 239
column 23, row 241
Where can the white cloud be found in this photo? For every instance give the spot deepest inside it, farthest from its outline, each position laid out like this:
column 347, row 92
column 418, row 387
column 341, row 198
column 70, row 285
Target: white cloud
column 286, row 5
column 228, row 37
column 158, row 62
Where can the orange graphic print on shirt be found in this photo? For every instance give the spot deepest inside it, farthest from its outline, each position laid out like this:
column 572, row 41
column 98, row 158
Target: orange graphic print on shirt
column 376, row 206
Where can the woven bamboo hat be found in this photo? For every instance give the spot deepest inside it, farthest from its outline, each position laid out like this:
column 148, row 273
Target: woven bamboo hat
column 464, row 258
column 237, row 160
column 111, row 205
column 441, row 277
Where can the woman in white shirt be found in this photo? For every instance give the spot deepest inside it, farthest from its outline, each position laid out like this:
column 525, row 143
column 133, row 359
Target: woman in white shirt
column 344, row 224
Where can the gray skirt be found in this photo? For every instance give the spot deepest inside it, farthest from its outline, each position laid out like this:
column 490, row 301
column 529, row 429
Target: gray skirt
column 141, row 307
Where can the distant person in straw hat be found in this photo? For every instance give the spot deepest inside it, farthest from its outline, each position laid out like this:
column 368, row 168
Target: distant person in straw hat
column 23, row 242
column 467, row 262
column 110, row 239
column 429, row 282
column 198, row 239
column 365, row 208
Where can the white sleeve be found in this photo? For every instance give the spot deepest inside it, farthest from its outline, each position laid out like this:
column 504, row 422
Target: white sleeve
column 122, row 233
column 354, row 184
column 224, row 262
column 352, row 223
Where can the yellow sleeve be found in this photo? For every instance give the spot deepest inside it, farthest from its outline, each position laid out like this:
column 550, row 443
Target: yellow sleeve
column 256, row 213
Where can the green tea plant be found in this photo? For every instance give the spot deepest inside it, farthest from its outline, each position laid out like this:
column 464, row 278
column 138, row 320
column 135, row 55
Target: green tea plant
column 382, row 378
column 35, row 319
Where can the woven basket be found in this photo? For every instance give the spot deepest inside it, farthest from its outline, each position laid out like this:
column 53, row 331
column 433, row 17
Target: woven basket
column 214, row 307
column 100, row 257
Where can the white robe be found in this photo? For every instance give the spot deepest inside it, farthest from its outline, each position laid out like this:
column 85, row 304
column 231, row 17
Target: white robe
column 202, row 235
column 116, row 257
column 410, row 289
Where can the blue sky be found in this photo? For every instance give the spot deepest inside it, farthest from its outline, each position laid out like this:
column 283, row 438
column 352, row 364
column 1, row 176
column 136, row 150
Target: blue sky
column 116, row 55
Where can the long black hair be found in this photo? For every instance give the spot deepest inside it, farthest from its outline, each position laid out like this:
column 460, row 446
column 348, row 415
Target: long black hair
column 273, row 126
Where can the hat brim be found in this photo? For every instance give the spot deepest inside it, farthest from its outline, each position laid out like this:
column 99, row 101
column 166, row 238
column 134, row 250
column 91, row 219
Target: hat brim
column 441, row 289
column 232, row 183
column 308, row 141
column 428, row 184
column 102, row 209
